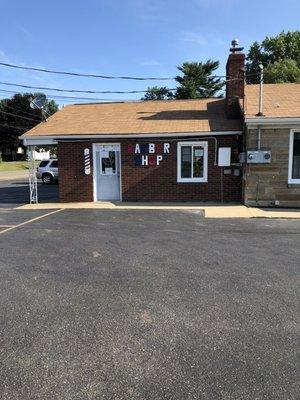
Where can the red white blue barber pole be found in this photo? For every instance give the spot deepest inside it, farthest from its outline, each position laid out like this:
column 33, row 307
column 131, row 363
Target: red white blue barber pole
column 87, row 162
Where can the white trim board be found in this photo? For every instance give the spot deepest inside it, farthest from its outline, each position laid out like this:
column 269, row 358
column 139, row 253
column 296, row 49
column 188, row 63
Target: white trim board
column 54, row 139
column 292, row 181
column 205, row 162
column 254, row 121
column 95, row 168
column 39, row 142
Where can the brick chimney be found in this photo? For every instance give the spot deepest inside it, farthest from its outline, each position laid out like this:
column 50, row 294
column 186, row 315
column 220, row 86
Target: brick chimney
column 235, row 88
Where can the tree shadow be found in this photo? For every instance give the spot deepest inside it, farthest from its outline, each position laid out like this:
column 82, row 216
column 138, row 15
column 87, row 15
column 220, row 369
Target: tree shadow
column 15, row 193
column 214, row 113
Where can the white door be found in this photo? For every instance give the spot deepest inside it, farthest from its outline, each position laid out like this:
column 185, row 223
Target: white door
column 107, row 171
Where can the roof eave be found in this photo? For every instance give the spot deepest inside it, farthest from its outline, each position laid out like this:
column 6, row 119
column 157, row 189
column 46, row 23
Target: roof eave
column 254, row 121
column 36, row 140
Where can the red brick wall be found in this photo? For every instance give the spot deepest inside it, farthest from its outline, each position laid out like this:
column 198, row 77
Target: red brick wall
column 234, row 87
column 159, row 183
column 73, row 184
column 148, row 183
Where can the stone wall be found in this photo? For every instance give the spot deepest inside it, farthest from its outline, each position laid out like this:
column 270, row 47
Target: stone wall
column 266, row 183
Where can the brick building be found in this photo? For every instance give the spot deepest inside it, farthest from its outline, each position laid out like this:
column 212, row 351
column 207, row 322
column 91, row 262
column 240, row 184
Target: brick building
column 212, row 149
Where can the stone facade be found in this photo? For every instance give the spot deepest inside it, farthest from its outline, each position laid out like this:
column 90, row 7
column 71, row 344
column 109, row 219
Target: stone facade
column 267, row 184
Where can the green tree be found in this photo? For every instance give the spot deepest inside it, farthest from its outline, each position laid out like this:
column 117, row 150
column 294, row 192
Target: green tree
column 198, row 80
column 16, row 117
column 285, row 46
column 282, row 71
column 158, row 93
column 51, row 107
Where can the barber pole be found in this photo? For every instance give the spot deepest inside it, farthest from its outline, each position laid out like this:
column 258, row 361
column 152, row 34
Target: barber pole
column 87, row 162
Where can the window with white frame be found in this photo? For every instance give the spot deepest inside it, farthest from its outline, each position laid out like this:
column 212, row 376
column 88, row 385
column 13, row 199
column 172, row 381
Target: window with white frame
column 294, row 157
column 192, row 162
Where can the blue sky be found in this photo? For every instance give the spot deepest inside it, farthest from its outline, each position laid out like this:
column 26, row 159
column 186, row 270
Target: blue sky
column 129, row 37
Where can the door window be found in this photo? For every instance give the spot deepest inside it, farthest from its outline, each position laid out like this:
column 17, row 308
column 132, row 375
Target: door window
column 108, row 163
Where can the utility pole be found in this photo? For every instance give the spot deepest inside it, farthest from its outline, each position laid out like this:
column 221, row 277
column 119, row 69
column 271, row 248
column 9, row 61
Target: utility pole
column 261, row 81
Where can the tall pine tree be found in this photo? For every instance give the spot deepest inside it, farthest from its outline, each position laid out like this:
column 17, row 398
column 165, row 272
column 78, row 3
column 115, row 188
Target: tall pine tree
column 197, row 81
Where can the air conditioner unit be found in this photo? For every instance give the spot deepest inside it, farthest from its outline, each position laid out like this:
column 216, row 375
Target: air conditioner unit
column 258, row 156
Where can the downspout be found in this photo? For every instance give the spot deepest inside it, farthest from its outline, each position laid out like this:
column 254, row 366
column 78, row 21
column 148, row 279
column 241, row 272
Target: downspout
column 261, row 81
column 259, row 137
column 259, row 114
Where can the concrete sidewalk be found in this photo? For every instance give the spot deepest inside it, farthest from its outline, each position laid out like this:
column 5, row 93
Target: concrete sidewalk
column 209, row 210
column 13, row 175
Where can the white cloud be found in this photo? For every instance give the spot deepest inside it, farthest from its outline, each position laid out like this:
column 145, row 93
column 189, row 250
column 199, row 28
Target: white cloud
column 25, row 31
column 193, row 37
column 150, row 63
column 4, row 57
column 207, row 40
column 150, row 11
column 22, row 76
column 215, row 3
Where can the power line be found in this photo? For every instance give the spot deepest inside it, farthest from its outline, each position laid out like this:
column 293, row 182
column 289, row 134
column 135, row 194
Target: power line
column 86, row 75
column 75, row 90
column 16, row 126
column 93, row 91
column 24, row 112
column 81, row 91
column 101, row 91
column 19, row 116
column 49, row 71
column 54, row 97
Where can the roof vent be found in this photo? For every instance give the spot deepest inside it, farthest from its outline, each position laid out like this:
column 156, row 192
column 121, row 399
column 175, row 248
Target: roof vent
column 234, row 47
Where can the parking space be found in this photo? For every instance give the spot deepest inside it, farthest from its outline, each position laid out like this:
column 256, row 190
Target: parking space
column 103, row 304
column 16, row 192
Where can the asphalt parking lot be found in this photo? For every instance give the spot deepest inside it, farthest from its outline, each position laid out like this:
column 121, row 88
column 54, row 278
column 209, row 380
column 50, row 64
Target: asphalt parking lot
column 16, row 192
column 101, row 304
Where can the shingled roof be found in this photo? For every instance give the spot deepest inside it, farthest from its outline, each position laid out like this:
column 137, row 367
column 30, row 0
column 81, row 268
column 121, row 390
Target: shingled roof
column 280, row 100
column 140, row 117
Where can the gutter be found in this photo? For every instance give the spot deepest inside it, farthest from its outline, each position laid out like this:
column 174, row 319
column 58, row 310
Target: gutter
column 254, row 121
column 53, row 139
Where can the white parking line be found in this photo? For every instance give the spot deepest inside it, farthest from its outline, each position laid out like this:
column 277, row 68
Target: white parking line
column 30, row 220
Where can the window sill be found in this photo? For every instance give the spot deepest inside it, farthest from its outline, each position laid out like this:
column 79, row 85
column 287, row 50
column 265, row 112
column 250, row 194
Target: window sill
column 192, row 180
column 293, row 185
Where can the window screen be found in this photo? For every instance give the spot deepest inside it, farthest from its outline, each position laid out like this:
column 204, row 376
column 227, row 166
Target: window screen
column 186, row 161
column 192, row 161
column 198, row 155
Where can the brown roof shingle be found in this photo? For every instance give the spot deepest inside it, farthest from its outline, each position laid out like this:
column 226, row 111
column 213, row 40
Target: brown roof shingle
column 280, row 100
column 170, row 116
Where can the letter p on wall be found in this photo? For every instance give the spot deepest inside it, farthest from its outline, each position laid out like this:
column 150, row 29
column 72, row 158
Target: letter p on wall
column 158, row 159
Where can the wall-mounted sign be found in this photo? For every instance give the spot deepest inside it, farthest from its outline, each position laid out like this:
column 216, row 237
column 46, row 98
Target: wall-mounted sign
column 199, row 152
column 148, row 154
column 87, row 161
